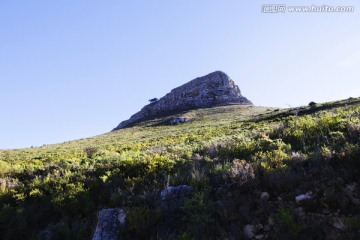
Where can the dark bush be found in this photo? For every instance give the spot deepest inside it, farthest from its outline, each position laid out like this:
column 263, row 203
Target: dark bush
column 199, row 215
column 312, row 104
column 141, row 221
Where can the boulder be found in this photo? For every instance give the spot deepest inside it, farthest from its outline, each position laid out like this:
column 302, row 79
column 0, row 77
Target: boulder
column 108, row 225
column 337, row 223
column 350, row 191
column 249, row 231
column 264, row 196
column 301, row 199
column 176, row 121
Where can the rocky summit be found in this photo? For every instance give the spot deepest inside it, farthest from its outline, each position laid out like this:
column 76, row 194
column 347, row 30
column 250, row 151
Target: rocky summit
column 214, row 89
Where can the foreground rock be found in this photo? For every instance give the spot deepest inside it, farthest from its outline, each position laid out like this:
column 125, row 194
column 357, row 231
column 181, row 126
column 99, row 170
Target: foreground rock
column 109, row 222
column 211, row 90
column 303, row 198
column 249, row 231
column 337, row 223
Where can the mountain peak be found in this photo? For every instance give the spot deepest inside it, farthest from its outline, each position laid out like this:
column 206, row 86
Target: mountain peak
column 213, row 89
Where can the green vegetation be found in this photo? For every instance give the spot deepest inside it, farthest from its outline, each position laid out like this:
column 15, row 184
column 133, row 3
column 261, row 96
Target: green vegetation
column 287, row 220
column 229, row 155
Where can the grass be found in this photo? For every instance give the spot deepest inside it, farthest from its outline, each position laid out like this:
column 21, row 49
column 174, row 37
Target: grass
column 226, row 153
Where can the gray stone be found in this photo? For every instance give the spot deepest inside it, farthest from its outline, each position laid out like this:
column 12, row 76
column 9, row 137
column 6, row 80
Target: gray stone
column 351, row 187
column 179, row 120
column 264, row 196
column 349, row 190
column 302, row 198
column 249, row 231
column 109, row 222
column 211, row 90
column 338, row 223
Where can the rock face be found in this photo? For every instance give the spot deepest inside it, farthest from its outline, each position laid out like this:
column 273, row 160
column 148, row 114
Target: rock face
column 109, row 221
column 211, row 90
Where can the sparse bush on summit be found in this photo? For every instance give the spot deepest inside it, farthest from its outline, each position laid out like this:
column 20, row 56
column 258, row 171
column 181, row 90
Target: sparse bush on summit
column 312, row 104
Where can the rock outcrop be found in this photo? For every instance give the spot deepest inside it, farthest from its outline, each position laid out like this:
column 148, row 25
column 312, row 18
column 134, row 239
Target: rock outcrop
column 211, row 90
column 179, row 120
column 109, row 221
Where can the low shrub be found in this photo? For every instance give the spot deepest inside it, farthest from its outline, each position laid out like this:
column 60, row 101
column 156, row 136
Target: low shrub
column 90, row 151
column 199, row 215
column 285, row 216
column 241, row 171
column 141, row 221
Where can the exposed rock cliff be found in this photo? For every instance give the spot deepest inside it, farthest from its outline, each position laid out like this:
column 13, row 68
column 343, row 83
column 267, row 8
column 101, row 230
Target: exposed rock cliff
column 211, row 90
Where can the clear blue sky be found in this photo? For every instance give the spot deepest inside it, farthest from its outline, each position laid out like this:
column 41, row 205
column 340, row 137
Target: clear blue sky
column 74, row 69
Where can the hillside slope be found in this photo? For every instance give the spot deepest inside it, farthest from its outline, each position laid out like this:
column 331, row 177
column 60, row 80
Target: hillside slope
column 253, row 171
